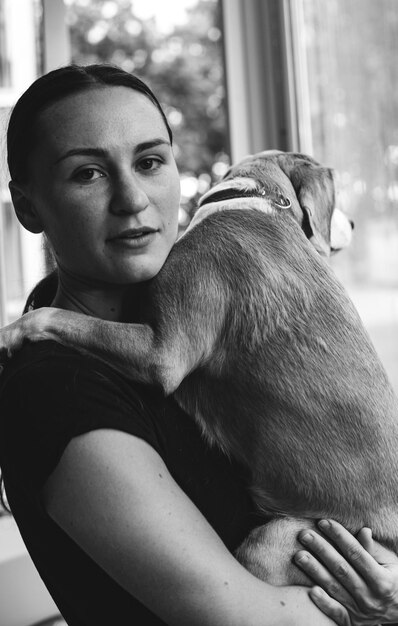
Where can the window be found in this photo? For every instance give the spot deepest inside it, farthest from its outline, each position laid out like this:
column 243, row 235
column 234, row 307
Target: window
column 5, row 61
column 349, row 89
column 13, row 253
column 20, row 253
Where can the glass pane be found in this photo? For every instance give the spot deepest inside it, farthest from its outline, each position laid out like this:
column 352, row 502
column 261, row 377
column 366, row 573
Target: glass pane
column 5, row 65
column 351, row 47
column 176, row 48
column 13, row 254
column 20, row 60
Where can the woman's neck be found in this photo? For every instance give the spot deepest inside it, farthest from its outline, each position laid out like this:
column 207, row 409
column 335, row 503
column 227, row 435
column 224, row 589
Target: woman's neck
column 103, row 301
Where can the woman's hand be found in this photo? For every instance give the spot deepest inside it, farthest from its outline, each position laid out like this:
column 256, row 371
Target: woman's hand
column 357, row 573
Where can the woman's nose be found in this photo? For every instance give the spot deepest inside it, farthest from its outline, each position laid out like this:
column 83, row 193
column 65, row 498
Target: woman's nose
column 128, row 196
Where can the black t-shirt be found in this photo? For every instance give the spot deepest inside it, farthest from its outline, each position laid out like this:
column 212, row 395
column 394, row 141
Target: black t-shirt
column 50, row 394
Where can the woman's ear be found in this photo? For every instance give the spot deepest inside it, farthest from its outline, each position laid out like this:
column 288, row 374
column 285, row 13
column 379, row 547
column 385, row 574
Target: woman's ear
column 24, row 208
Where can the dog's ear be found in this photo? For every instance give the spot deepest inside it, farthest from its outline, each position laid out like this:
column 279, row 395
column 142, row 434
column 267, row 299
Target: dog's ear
column 314, row 188
column 340, row 231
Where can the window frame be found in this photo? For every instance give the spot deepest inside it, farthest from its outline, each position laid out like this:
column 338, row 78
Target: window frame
column 263, row 69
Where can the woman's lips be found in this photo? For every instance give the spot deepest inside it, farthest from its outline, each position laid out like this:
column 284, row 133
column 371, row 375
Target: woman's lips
column 134, row 237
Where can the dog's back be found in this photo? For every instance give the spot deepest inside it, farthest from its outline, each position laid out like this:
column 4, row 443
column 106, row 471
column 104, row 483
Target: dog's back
column 287, row 379
column 250, row 329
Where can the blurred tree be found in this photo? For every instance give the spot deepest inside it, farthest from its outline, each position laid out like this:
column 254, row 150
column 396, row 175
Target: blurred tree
column 183, row 67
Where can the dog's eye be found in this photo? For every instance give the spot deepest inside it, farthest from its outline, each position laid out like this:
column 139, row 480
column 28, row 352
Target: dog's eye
column 282, row 202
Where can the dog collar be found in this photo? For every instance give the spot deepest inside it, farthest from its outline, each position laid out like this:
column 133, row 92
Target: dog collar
column 223, row 195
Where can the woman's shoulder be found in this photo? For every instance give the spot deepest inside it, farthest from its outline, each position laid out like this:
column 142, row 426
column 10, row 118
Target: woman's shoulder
column 47, row 366
column 46, row 355
column 54, row 394
column 47, row 387
column 50, row 394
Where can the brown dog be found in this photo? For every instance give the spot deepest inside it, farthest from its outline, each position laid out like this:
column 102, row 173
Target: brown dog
column 251, row 331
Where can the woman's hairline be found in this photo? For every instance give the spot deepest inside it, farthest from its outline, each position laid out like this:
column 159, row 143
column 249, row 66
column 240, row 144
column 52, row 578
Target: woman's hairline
column 96, row 82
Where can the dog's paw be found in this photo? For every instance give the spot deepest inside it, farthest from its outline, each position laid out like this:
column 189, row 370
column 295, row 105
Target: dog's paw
column 268, row 552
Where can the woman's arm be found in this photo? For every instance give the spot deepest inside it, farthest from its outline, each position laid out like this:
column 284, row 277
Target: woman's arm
column 112, row 493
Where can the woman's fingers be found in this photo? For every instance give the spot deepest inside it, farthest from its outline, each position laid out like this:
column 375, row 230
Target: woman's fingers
column 330, row 569
column 330, row 607
column 352, row 550
column 323, row 577
column 380, row 553
column 366, row 540
column 350, row 575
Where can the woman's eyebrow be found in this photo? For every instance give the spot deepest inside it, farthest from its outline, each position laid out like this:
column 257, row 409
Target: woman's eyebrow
column 100, row 152
column 153, row 143
column 81, row 151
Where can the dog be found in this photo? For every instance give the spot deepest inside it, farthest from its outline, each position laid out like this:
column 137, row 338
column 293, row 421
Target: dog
column 249, row 328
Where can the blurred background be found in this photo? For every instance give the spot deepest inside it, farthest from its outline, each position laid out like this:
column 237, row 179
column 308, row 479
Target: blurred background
column 235, row 77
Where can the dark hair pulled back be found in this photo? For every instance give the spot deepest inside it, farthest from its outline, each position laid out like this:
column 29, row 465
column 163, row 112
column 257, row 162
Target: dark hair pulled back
column 53, row 87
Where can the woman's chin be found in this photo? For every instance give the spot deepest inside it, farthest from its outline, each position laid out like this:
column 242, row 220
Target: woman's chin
column 141, row 273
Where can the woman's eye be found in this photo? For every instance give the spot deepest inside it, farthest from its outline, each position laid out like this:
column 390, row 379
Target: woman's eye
column 88, row 174
column 150, row 163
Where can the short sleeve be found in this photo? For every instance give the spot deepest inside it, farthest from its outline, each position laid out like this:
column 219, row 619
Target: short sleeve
column 53, row 394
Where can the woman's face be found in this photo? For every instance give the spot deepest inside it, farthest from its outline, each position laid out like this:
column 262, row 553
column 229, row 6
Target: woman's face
column 104, row 183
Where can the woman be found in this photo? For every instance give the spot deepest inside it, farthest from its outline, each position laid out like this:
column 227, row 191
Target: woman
column 127, row 514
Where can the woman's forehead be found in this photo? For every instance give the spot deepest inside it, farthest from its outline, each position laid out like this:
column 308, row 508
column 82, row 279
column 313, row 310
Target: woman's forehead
column 103, row 114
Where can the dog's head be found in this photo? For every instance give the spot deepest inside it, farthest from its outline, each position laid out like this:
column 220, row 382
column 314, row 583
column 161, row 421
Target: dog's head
column 295, row 182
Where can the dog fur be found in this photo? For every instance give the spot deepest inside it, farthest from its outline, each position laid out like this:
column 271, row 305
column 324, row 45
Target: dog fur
column 248, row 327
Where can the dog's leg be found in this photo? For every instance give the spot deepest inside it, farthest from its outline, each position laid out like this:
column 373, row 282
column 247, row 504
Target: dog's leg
column 132, row 349
column 182, row 314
